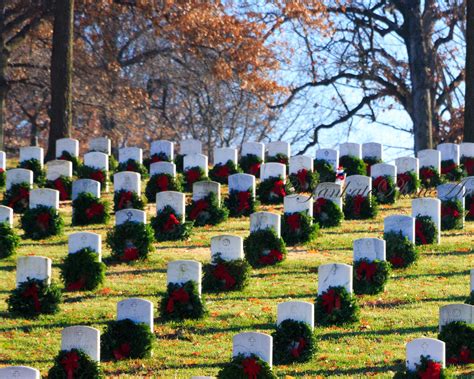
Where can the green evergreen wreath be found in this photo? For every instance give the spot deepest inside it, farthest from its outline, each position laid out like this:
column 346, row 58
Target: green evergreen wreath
column 125, row 339
column 193, row 175
column 34, row 297
column 179, row 162
column 327, row 213
column 97, row 174
column 74, row 364
column 162, row 182
column 76, row 163
column 273, row 190
column 3, row 177
column 82, row 271
column 279, row 158
column 206, row 211
column 241, row 203
column 369, row 162
column 113, row 164
column 408, row 182
column 304, row 180
column 17, row 197
column 430, row 177
column 250, row 164
column 360, row 207
column 88, row 209
column 63, row 184
column 427, row 368
column 39, row 174
column 426, row 231
column 134, row 166
column 352, row 165
column 298, row 227
column 384, row 189
column 468, row 165
column 469, row 202
column 452, row 214
column 157, row 157
column 42, row 222
column 370, row 277
column 336, row 306
column 325, row 171
column 470, row 299
column 451, row 171
column 9, row 240
column 401, row 252
column 293, row 341
column 124, row 199
column 220, row 172
column 245, row 367
column 263, row 248
column 221, row 275
column 182, row 301
column 459, row 339
column 131, row 241
column 168, row 226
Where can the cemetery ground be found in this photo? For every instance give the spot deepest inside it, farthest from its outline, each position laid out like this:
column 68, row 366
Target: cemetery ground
column 408, row 308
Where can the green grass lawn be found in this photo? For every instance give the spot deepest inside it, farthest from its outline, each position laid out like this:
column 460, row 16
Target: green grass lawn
column 408, row 308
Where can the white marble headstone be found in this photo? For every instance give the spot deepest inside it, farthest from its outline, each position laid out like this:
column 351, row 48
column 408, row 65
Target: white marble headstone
column 300, row 162
column 224, row 154
column 272, row 170
column 298, row 203
column 133, row 153
column 101, row 145
column 33, row 267
column 230, row 247
column 383, row 169
column 32, row 152
column 372, row 150
column 369, row 248
column 57, row 168
column 259, row 344
column 183, row 271
column 472, row 280
column 3, row 161
column 168, row 168
column 456, row 312
column 44, row 196
column 204, row 188
column 351, row 149
column 190, row 146
column 97, row 160
column 196, row 160
column 242, row 182
column 128, row 181
column 334, row 275
column 174, row 199
column 407, row 164
column 265, row 220
column 254, row 148
column 82, row 338
column 19, row 372
column 449, row 151
column 430, row 158
column 18, row 176
column 85, row 186
column 296, row 310
column 450, row 191
column 6, row 215
column 468, row 184
column 425, row 206
column 431, row 347
column 329, row 191
column 82, row 240
column 136, row 310
column 278, row 147
column 399, row 223
column 69, row 145
column 162, row 146
column 329, row 155
column 466, row 149
column 132, row 215
column 358, row 185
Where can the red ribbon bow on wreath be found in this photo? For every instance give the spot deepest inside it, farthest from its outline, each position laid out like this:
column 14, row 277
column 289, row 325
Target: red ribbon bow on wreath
column 59, row 185
column 301, row 176
column 162, row 182
column 32, row 291
column 125, row 198
column 122, row 352
column 251, row 368
column 98, row 175
column 419, row 232
column 192, row 176
column 94, row 210
column 221, row 273
column 331, row 301
column 131, row 167
column 447, row 169
column 397, row 261
column 403, row 179
column 464, row 357
column 279, row 188
column 426, row 173
column 447, row 211
column 469, row 166
column 296, row 351
column 433, row 371
column 367, row 270
column 223, row 171
column 77, row 285
column 70, row 362
column 381, row 184
column 294, row 221
column 23, row 194
column 129, row 254
column 358, row 201
column 272, row 257
column 155, row 158
column 243, row 199
column 198, row 207
column 180, row 295
column 318, row 205
column 43, row 220
column 2, row 170
column 171, row 223
column 470, row 213
column 255, row 169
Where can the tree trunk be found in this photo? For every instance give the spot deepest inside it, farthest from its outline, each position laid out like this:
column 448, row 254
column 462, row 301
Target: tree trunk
column 419, row 74
column 469, row 99
column 61, row 74
column 4, row 55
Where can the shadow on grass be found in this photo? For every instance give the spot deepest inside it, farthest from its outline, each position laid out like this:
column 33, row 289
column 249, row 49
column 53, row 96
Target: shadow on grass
column 444, row 275
column 78, row 299
column 345, row 334
column 46, row 325
column 455, row 253
column 353, row 372
column 137, row 272
column 8, row 268
column 44, row 243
